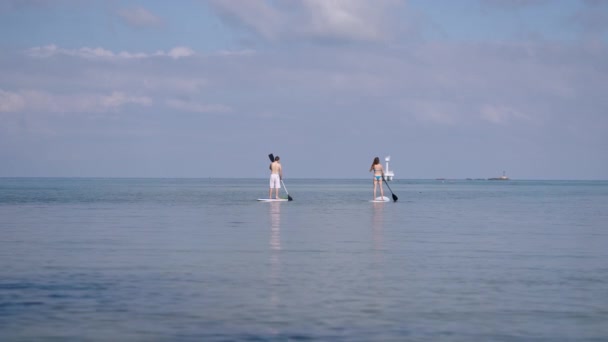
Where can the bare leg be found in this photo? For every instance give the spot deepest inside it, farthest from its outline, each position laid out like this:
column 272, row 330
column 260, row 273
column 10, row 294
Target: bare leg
column 270, row 193
column 277, row 193
column 381, row 189
column 375, row 186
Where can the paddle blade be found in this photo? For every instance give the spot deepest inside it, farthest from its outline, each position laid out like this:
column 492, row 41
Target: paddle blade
column 289, row 198
column 395, row 198
column 271, row 157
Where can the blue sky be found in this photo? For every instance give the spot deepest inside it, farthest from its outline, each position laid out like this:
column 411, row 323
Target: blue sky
column 450, row 89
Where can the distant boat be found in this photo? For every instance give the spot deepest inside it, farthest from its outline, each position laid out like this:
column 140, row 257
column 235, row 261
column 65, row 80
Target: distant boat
column 503, row 177
column 388, row 174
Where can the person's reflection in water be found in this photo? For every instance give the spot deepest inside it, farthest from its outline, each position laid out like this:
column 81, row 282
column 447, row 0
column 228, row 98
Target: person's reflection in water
column 376, row 280
column 275, row 226
column 377, row 258
column 275, row 249
column 377, row 230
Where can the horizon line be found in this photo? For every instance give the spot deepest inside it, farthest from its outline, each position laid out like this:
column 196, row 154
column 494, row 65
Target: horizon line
column 302, row 178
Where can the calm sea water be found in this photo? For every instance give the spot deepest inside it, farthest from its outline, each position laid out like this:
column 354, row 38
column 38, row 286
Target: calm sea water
column 202, row 260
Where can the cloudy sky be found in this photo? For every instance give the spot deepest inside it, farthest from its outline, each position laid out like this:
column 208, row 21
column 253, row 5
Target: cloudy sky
column 196, row 88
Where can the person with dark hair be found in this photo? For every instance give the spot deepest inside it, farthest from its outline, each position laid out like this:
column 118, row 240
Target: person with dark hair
column 276, row 175
column 378, row 176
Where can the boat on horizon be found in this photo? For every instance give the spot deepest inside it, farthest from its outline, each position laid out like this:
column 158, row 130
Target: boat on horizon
column 503, row 177
column 388, row 174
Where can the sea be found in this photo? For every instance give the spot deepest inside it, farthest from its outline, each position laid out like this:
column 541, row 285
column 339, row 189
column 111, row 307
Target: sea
column 108, row 259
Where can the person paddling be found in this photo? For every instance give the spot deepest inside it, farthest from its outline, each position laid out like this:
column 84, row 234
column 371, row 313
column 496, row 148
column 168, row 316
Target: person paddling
column 276, row 175
column 378, row 171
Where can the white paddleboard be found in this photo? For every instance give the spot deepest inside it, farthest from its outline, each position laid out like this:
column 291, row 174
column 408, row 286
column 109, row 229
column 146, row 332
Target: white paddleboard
column 381, row 199
column 273, row 200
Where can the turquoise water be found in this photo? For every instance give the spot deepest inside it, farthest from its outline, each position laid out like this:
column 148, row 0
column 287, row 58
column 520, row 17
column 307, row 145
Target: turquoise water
column 202, row 260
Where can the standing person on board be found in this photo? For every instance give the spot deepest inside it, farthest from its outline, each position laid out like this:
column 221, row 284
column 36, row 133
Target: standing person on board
column 378, row 176
column 276, row 175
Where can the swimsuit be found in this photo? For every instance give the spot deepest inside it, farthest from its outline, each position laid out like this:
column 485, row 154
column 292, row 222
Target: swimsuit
column 378, row 177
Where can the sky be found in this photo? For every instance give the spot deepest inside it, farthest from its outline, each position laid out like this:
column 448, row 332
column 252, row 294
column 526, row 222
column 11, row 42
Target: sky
column 208, row 88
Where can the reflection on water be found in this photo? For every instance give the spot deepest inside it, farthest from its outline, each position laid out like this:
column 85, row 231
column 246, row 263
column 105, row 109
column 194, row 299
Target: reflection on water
column 275, row 249
column 378, row 240
column 378, row 226
column 275, row 226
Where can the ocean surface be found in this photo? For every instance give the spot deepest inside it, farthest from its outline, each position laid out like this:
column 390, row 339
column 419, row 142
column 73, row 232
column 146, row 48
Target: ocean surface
column 92, row 259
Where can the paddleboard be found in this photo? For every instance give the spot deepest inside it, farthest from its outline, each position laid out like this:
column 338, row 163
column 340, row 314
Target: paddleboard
column 273, row 200
column 381, row 199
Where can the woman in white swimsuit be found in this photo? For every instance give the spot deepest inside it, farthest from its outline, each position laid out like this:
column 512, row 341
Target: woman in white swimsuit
column 378, row 176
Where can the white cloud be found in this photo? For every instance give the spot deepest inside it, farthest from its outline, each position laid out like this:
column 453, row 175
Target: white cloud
column 351, row 20
column 139, row 17
column 104, row 54
column 43, row 51
column 41, row 101
column 99, row 53
column 118, row 99
column 180, row 51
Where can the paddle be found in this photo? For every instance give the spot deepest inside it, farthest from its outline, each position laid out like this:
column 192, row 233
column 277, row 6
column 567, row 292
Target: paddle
column 395, row 198
column 289, row 198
